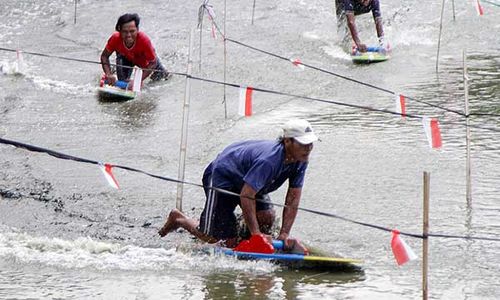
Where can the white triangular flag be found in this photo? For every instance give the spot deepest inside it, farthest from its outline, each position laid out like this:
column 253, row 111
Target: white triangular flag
column 401, row 250
column 108, row 174
column 432, row 132
column 137, row 80
column 479, row 8
column 19, row 65
column 245, row 102
column 296, row 62
column 401, row 104
column 210, row 11
column 214, row 33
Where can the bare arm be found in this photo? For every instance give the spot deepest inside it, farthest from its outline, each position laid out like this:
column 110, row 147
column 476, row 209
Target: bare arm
column 247, row 197
column 292, row 201
column 105, row 62
column 378, row 26
column 354, row 32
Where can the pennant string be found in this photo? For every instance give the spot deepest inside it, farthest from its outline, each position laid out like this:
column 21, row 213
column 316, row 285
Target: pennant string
column 495, row 129
column 64, row 156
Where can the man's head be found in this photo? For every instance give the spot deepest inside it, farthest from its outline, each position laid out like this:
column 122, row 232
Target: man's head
column 298, row 137
column 128, row 26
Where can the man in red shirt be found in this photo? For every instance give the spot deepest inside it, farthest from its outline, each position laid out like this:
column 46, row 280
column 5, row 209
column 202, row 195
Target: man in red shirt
column 133, row 48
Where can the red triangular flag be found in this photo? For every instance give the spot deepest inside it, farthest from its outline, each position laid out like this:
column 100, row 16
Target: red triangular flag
column 479, row 8
column 401, row 105
column 245, row 103
column 296, row 62
column 108, row 174
column 214, row 33
column 402, row 252
column 433, row 133
column 19, row 65
column 211, row 16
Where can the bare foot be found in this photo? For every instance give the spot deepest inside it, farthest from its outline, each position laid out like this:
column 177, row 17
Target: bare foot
column 172, row 222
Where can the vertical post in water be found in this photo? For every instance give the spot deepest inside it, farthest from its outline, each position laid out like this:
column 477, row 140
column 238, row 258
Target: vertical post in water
column 253, row 10
column 201, row 39
column 439, row 39
column 467, row 132
column 75, row 10
column 453, row 7
column 425, row 242
column 185, row 119
column 225, row 61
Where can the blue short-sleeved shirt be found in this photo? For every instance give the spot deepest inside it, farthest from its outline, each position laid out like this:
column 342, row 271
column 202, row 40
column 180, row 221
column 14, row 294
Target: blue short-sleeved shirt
column 260, row 164
column 357, row 8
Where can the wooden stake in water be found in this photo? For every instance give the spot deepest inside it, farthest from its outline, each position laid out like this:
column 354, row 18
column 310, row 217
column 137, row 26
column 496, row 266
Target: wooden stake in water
column 467, row 132
column 201, row 40
column 185, row 121
column 75, row 10
column 253, row 10
column 439, row 39
column 425, row 242
column 225, row 62
column 453, row 7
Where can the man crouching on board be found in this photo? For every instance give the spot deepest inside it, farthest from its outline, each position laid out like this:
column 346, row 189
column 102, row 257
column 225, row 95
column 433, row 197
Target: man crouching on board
column 252, row 169
column 348, row 9
column 133, row 48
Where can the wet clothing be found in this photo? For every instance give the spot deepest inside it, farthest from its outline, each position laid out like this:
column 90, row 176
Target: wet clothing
column 124, row 69
column 141, row 54
column 354, row 6
column 261, row 165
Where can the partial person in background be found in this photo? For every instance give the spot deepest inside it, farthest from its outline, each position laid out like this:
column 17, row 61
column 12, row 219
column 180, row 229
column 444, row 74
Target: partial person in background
column 346, row 11
column 133, row 48
column 252, row 169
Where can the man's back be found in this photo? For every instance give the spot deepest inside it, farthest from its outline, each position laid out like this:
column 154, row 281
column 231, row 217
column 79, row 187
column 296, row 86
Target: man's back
column 260, row 163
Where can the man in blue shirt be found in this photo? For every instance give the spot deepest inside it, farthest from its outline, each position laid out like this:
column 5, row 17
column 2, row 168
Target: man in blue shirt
column 348, row 9
column 252, row 169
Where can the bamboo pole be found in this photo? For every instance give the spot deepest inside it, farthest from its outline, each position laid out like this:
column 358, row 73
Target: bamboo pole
column 425, row 242
column 467, row 132
column 75, row 11
column 185, row 121
column 201, row 42
column 439, row 39
column 225, row 62
column 453, row 7
column 253, row 10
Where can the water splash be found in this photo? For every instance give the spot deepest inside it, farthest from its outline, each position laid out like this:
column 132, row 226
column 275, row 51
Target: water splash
column 59, row 86
column 84, row 252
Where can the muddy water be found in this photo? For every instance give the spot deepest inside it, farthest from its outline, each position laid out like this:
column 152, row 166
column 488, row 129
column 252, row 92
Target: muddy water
column 65, row 234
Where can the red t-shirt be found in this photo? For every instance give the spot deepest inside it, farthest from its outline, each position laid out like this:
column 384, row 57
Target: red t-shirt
column 141, row 53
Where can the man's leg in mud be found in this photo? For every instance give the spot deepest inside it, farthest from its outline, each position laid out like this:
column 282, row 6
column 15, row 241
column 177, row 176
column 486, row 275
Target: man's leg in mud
column 176, row 219
column 266, row 215
column 266, row 220
column 123, row 67
column 160, row 72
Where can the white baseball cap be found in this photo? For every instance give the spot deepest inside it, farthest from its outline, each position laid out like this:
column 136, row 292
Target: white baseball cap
column 300, row 130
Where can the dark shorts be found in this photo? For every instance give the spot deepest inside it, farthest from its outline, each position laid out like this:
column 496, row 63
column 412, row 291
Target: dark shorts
column 218, row 219
column 357, row 8
column 124, row 69
column 353, row 6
